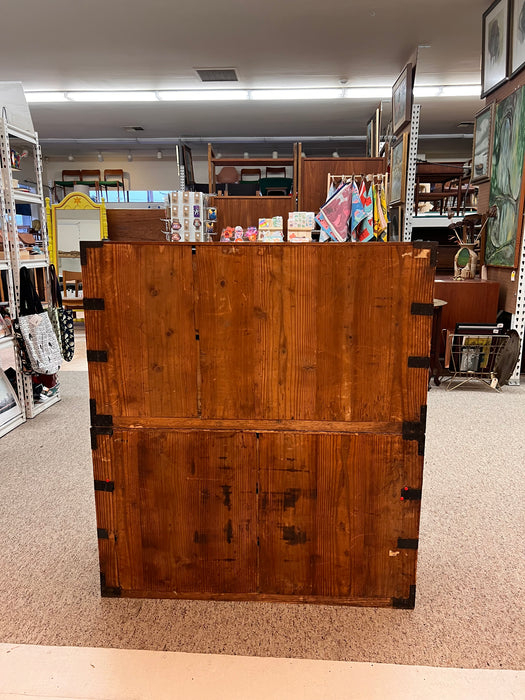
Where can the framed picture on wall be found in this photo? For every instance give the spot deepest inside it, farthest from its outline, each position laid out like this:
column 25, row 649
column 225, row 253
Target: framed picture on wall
column 373, row 130
column 187, row 160
column 507, row 187
column 517, row 36
column 398, row 169
column 402, row 100
column 482, row 146
column 494, row 50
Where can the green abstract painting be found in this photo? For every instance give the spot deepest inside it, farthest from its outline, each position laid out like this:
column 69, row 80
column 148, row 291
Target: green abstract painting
column 506, row 179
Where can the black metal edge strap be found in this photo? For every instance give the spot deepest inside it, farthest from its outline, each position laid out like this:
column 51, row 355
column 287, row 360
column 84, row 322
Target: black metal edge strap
column 406, row 603
column 108, row 591
column 102, row 533
column 423, row 416
column 96, row 418
column 93, row 304
column 407, row 543
column 97, row 355
column 409, row 494
column 414, row 431
column 101, row 485
column 84, row 245
column 429, row 245
column 193, row 250
column 98, row 430
column 421, row 309
column 419, row 362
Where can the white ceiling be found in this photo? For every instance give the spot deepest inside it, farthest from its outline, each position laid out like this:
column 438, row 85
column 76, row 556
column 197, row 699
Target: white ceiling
column 124, row 44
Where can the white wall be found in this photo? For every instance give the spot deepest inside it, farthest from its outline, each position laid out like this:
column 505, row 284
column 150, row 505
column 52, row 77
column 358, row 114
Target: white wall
column 142, row 173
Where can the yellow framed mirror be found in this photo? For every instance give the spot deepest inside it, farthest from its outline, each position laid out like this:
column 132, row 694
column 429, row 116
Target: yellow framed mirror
column 76, row 218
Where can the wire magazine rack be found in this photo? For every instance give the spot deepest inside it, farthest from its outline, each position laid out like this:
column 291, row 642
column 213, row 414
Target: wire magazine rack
column 473, row 358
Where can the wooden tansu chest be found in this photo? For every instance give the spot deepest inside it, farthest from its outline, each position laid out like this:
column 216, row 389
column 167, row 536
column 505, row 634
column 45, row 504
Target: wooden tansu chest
column 258, row 418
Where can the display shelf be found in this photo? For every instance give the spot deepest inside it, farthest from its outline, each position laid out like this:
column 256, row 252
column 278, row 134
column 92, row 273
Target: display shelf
column 9, row 197
column 31, row 264
column 30, row 197
column 4, row 265
column 38, row 407
column 433, row 221
column 252, row 161
column 19, row 133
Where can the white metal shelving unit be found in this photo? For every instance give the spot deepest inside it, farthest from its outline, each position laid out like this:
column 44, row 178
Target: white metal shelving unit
column 9, row 198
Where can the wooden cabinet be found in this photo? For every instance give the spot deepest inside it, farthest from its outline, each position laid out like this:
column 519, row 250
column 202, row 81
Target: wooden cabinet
column 258, row 412
column 468, row 301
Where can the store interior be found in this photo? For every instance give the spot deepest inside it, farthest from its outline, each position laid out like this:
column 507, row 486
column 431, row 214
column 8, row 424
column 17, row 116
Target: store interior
column 262, row 320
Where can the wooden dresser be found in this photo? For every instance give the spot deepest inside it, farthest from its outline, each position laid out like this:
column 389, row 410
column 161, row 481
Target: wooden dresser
column 258, row 418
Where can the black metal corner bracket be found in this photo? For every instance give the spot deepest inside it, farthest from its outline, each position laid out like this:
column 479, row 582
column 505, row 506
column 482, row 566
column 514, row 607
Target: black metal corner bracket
column 93, row 304
column 403, row 543
column 419, row 362
column 408, row 494
column 428, row 245
column 406, row 603
column 416, row 431
column 422, row 309
column 99, row 430
column 84, row 245
column 97, row 355
column 104, row 485
column 98, row 419
column 109, row 591
column 102, row 533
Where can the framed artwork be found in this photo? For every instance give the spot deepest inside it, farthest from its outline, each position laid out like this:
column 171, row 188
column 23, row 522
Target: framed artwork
column 373, row 129
column 398, row 169
column 517, row 36
column 396, row 224
column 187, row 160
column 9, row 405
column 402, row 100
column 494, row 50
column 506, row 182
column 482, row 146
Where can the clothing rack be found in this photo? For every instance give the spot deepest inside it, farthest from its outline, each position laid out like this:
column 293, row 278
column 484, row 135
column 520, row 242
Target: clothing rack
column 381, row 178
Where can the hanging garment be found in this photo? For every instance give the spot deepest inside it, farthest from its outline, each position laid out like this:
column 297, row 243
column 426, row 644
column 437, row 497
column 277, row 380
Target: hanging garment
column 337, row 212
column 383, row 212
column 357, row 214
column 380, row 223
column 365, row 230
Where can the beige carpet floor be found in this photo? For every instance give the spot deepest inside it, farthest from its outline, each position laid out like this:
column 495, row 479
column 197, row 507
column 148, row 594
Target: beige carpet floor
column 470, row 590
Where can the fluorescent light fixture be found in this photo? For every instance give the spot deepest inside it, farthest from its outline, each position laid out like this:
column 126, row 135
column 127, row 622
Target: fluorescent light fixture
column 202, row 95
column 34, row 97
column 427, row 90
column 303, row 94
column 461, row 91
column 363, row 93
column 109, row 96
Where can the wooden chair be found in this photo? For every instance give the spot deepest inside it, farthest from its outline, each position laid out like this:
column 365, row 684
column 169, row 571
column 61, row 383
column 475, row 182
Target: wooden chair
column 76, row 302
column 250, row 172
column 276, row 171
column 114, row 178
column 73, row 176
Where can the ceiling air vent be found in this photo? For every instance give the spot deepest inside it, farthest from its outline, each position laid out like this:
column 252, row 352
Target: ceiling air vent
column 132, row 129
column 217, row 75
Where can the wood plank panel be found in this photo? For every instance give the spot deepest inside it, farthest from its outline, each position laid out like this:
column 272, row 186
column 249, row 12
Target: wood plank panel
column 135, row 224
column 274, row 344
column 147, row 329
column 105, row 511
column 246, row 211
column 330, row 515
column 185, row 511
column 314, row 174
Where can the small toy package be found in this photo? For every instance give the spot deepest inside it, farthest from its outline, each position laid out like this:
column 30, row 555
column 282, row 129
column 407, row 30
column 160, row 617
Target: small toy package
column 300, row 225
column 271, row 230
column 227, row 234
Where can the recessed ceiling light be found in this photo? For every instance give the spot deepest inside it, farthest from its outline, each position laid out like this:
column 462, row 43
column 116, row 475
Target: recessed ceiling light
column 112, row 96
column 297, row 94
column 202, row 95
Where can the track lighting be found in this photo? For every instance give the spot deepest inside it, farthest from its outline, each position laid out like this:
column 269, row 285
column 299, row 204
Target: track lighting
column 159, row 155
column 130, row 157
column 71, row 157
column 100, row 157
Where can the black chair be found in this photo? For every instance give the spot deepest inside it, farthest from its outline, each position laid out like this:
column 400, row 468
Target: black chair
column 201, row 187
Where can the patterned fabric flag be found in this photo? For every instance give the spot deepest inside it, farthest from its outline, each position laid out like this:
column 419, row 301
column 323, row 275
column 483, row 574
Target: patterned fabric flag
column 358, row 213
column 337, row 212
column 365, row 231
